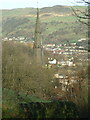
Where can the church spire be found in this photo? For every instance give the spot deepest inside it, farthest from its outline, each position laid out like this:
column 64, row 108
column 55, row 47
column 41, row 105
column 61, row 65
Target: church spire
column 38, row 41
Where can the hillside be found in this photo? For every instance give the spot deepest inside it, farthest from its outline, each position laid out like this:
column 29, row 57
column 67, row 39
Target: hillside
column 57, row 24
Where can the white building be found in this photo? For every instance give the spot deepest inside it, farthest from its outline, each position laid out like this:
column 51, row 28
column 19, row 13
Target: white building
column 70, row 63
column 53, row 62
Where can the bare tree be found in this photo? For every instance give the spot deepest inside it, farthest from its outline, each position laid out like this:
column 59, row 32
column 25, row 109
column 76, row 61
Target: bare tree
column 83, row 16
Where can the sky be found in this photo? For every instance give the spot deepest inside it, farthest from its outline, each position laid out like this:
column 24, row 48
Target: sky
column 12, row 4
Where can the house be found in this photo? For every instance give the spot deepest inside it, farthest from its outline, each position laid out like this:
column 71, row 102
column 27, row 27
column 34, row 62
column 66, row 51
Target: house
column 22, row 42
column 63, row 63
column 52, row 61
column 10, row 39
column 60, row 76
column 70, row 63
column 21, row 38
column 55, row 87
column 50, row 45
column 73, row 44
column 82, row 39
column 5, row 38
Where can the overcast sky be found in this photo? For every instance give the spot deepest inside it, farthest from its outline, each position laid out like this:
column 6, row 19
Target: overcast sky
column 10, row 4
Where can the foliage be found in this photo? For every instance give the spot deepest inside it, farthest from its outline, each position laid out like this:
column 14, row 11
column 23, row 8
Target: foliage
column 54, row 109
column 25, row 108
column 16, row 76
column 24, row 80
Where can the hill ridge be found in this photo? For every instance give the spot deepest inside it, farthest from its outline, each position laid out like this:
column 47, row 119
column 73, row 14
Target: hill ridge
column 57, row 24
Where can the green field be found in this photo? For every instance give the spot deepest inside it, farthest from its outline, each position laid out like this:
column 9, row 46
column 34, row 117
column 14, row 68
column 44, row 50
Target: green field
column 14, row 107
column 55, row 29
column 11, row 102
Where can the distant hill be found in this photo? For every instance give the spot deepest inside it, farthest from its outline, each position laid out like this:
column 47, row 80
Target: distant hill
column 57, row 9
column 57, row 24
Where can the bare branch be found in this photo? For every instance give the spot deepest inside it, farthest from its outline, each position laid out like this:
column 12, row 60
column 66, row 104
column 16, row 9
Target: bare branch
column 86, row 1
column 86, row 23
column 82, row 17
column 84, row 13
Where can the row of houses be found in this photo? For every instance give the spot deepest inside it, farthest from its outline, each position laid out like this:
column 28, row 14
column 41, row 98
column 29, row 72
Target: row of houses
column 62, row 63
column 65, row 50
column 20, row 39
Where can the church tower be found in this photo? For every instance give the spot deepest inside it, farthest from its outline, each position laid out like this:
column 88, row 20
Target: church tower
column 38, row 41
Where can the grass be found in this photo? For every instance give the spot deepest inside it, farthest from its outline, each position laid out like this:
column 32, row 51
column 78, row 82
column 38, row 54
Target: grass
column 63, row 19
column 11, row 95
column 10, row 103
column 33, row 107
